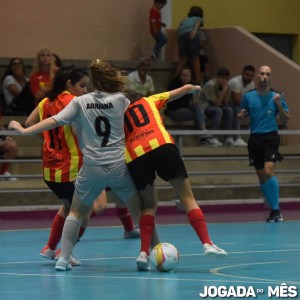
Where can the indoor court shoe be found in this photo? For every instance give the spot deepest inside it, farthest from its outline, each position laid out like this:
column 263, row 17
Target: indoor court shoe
column 134, row 234
column 47, row 253
column 73, row 261
column 62, row 265
column 142, row 262
column 275, row 216
column 213, row 250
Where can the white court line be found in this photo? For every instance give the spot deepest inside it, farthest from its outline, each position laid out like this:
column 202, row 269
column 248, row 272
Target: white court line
column 216, row 271
column 134, row 257
column 201, row 280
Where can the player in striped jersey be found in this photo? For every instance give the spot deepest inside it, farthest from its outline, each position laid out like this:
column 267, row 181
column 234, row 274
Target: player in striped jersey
column 62, row 157
column 150, row 150
column 99, row 121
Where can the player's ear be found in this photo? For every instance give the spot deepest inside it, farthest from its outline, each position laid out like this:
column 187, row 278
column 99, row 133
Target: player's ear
column 69, row 83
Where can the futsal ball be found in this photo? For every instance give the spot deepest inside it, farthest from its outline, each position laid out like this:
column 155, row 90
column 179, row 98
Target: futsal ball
column 164, row 257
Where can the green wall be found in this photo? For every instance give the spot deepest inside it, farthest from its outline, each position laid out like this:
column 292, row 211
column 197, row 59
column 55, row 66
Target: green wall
column 259, row 16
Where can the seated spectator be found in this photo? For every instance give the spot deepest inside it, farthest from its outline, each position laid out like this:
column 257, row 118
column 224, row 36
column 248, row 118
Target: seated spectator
column 239, row 85
column 185, row 108
column 139, row 80
column 214, row 98
column 8, row 150
column 42, row 75
column 13, row 81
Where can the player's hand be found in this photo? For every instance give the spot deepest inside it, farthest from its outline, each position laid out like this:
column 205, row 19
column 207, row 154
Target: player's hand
column 242, row 113
column 277, row 99
column 15, row 125
column 195, row 89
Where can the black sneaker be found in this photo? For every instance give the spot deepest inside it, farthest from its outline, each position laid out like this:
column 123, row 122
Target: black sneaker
column 275, row 216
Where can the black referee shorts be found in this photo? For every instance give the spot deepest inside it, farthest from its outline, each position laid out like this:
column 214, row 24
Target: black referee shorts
column 165, row 161
column 263, row 148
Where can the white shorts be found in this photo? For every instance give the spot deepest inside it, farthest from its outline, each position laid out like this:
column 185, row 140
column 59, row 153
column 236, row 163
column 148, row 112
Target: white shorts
column 92, row 180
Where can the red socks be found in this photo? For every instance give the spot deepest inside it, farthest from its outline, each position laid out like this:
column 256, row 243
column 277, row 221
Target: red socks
column 197, row 221
column 56, row 231
column 147, row 225
column 125, row 218
column 93, row 214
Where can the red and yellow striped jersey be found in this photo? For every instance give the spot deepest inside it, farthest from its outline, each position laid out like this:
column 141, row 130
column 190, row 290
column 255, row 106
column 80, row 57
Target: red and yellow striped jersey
column 62, row 157
column 144, row 128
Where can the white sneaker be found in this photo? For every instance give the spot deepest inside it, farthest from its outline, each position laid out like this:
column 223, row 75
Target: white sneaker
column 142, row 262
column 213, row 142
column 229, row 141
column 73, row 261
column 62, row 265
column 8, row 176
column 213, row 250
column 239, row 142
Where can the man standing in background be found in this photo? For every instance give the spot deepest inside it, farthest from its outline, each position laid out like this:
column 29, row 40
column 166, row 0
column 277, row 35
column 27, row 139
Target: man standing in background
column 262, row 105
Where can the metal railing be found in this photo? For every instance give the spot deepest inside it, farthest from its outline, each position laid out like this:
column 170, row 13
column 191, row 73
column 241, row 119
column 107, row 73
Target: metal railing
column 179, row 134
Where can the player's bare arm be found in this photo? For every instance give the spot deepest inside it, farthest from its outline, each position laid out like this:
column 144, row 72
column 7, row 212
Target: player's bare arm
column 34, row 129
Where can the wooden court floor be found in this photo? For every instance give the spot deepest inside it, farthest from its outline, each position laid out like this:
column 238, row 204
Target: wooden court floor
column 263, row 259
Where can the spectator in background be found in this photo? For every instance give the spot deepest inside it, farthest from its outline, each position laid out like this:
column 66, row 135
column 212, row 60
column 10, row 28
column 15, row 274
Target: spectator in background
column 155, row 27
column 42, row 74
column 214, row 100
column 188, row 42
column 8, row 150
column 57, row 62
column 13, row 81
column 239, row 85
column 204, row 61
column 139, row 80
column 185, row 108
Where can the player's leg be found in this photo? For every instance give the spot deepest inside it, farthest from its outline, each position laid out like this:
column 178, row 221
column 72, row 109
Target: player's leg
column 78, row 217
column 142, row 205
column 171, row 168
column 89, row 185
column 49, row 250
column 64, row 191
column 195, row 215
column 149, row 234
column 130, row 222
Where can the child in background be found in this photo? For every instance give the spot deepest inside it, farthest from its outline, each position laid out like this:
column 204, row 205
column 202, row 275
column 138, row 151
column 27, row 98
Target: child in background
column 155, row 27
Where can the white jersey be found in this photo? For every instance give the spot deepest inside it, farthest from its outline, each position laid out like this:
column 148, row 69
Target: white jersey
column 99, row 121
column 236, row 85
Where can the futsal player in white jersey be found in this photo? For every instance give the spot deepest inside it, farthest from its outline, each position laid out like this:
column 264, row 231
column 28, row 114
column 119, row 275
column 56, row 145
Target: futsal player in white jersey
column 99, row 121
